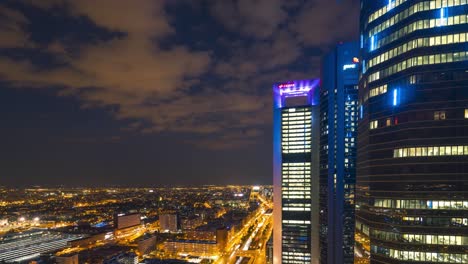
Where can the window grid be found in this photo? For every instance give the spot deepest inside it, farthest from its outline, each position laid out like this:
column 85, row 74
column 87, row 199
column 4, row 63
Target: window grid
column 436, row 257
column 384, row 10
column 422, row 204
column 420, row 25
column 419, row 61
column 418, row 43
column 430, row 151
column 412, row 10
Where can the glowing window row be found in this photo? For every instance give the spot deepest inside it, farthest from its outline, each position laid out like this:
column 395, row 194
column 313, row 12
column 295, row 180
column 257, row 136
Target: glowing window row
column 296, row 164
column 302, row 125
column 295, row 192
column 416, row 8
column 297, row 140
column 420, row 25
column 421, row 204
column 303, row 181
column 374, row 124
column 296, row 113
column 292, row 110
column 292, row 140
column 297, row 209
column 301, row 113
column 289, row 135
column 290, row 131
column 296, row 174
column 418, row 43
column 296, row 146
column 295, row 222
column 458, row 221
column 290, row 151
column 296, row 168
column 296, row 118
column 296, row 196
column 296, row 186
column 297, row 122
column 436, row 239
column 298, row 178
column 376, row 91
column 382, row 11
column 430, row 151
column 421, row 256
column 301, row 187
column 419, row 61
column 421, row 238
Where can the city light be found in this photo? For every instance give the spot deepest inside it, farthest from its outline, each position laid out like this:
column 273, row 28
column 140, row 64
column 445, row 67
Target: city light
column 395, row 97
column 349, row 66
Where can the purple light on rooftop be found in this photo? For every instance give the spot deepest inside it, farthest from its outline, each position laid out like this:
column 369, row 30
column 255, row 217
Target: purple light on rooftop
column 296, row 89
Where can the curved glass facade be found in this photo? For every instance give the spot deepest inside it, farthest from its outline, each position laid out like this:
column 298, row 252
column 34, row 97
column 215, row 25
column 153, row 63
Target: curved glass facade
column 412, row 163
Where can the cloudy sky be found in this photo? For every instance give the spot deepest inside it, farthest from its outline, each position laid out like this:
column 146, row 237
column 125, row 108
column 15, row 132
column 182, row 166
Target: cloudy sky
column 152, row 92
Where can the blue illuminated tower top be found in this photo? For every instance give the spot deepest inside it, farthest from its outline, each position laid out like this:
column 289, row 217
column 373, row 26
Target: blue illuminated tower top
column 305, row 89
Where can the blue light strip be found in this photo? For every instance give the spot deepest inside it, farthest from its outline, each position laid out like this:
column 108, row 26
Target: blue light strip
column 442, row 17
column 395, row 96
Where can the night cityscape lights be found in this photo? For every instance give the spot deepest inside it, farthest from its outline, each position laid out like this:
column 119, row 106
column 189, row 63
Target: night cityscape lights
column 139, row 225
column 370, row 153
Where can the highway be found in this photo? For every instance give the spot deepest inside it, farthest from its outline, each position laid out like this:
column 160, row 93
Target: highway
column 250, row 250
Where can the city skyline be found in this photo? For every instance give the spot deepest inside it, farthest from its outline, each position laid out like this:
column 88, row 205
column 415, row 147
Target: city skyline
column 159, row 93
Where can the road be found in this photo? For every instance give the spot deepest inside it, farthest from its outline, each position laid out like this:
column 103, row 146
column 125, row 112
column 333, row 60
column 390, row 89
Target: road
column 253, row 248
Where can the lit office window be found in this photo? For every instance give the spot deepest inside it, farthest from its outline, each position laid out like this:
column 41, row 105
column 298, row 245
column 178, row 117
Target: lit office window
column 436, row 257
column 466, row 113
column 419, row 61
column 439, row 115
column 430, row 151
column 374, row 124
column 422, row 204
column 419, row 43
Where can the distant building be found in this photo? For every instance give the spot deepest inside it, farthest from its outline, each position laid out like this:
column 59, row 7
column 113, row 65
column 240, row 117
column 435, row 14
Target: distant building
column 67, row 259
column 199, row 247
column 164, row 261
column 195, row 247
column 296, row 172
column 123, row 221
column 338, row 145
column 24, row 246
column 123, row 258
column 269, row 251
column 86, row 241
column 191, row 222
column 168, row 222
column 147, row 244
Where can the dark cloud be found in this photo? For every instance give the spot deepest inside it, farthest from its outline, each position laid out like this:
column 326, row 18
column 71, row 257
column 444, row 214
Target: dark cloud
column 151, row 84
column 322, row 22
column 12, row 25
column 255, row 18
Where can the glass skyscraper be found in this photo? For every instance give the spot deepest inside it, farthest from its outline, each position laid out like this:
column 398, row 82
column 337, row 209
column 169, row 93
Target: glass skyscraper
column 296, row 172
column 338, row 131
column 412, row 165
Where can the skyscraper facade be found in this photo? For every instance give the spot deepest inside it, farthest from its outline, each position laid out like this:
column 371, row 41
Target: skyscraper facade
column 296, row 172
column 412, row 165
column 338, row 131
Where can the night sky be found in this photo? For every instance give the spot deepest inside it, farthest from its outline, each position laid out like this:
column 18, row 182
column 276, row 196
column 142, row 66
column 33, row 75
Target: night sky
column 152, row 93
